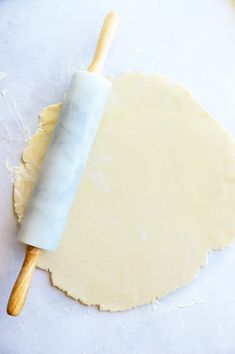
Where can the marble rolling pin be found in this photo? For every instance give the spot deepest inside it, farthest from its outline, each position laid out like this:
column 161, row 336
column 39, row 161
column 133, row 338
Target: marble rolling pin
column 64, row 163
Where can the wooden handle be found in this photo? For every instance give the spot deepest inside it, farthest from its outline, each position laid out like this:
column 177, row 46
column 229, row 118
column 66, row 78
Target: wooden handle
column 21, row 288
column 104, row 42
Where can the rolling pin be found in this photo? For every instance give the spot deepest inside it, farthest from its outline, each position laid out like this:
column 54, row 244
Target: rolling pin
column 64, row 164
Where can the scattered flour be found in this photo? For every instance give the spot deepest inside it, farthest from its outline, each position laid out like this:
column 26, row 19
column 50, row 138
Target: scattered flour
column 10, row 169
column 15, row 114
column 2, row 75
column 194, row 301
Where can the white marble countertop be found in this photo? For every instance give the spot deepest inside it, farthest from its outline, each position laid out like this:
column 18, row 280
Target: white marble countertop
column 42, row 42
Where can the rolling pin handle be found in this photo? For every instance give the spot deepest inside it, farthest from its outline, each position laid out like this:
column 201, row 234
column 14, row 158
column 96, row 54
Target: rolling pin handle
column 105, row 41
column 21, row 288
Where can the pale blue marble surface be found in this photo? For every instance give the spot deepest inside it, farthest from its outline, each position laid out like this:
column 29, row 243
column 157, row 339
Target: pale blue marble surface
column 65, row 160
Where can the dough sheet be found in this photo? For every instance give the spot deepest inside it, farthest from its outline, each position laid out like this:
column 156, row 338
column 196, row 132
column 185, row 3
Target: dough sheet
column 157, row 194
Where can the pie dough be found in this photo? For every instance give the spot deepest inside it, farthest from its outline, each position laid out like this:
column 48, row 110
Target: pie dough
column 158, row 193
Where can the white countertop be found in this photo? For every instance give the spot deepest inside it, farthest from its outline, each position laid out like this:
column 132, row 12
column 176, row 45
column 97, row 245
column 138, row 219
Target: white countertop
column 42, row 42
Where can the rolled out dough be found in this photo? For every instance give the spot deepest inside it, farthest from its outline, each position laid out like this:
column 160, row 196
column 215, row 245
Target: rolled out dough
column 158, row 193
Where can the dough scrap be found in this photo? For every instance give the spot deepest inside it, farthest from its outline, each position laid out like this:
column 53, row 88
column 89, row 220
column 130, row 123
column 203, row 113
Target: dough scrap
column 158, row 193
